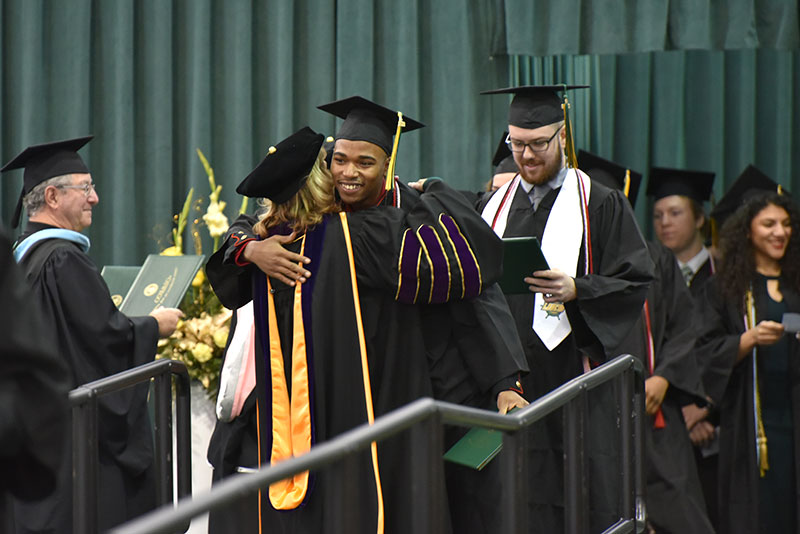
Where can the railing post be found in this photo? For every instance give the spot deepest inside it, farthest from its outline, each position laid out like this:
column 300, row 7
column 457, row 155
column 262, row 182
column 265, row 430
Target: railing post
column 162, row 426
column 183, row 433
column 576, row 501
column 84, row 465
column 639, row 420
column 514, row 467
column 429, row 436
column 626, row 427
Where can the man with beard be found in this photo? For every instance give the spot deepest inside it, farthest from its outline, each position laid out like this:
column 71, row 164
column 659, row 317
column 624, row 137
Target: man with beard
column 593, row 293
column 474, row 356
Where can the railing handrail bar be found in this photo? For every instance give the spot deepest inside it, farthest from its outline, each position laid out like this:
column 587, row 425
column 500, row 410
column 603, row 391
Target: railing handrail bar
column 128, row 378
column 166, row 519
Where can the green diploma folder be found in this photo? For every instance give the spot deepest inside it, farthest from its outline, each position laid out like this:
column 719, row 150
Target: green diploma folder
column 476, row 449
column 119, row 279
column 521, row 257
column 162, row 281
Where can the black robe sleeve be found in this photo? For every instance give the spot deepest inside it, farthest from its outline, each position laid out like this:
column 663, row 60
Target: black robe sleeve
column 718, row 340
column 610, row 299
column 441, row 251
column 676, row 335
column 231, row 282
column 437, row 252
column 98, row 340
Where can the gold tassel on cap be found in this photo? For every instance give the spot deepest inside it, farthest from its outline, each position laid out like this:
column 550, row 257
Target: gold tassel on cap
column 626, row 186
column 390, row 171
column 572, row 158
column 272, row 150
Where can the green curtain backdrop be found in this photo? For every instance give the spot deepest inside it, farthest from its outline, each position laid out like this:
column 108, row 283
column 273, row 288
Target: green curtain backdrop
column 705, row 110
column 545, row 27
column 155, row 79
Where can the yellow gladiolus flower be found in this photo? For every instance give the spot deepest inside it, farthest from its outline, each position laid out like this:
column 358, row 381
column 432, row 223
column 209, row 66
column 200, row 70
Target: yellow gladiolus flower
column 199, row 278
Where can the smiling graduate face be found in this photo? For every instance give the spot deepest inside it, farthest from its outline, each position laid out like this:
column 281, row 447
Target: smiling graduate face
column 359, row 172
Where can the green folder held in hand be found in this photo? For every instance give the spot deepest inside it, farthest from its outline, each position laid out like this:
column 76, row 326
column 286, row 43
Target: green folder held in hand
column 477, row 448
column 521, row 257
column 162, row 281
column 119, row 279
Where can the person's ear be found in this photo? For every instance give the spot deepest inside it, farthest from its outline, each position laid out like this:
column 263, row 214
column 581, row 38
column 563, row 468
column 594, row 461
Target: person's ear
column 51, row 196
column 699, row 222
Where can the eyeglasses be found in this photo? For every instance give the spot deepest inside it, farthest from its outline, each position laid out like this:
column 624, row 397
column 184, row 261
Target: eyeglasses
column 86, row 188
column 539, row 145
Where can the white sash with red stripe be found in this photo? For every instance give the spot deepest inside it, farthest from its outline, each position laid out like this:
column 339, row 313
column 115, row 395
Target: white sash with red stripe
column 561, row 244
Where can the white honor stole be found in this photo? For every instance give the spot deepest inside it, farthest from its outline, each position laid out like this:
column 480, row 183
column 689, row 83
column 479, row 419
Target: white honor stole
column 561, row 244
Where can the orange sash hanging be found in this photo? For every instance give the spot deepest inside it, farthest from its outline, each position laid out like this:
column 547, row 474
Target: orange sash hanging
column 364, row 367
column 291, row 418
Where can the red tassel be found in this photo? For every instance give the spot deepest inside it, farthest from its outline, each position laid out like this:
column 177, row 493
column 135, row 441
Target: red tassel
column 659, row 422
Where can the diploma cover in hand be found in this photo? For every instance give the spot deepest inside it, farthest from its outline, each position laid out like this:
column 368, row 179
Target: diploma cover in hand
column 477, row 448
column 119, row 279
column 521, row 257
column 162, row 281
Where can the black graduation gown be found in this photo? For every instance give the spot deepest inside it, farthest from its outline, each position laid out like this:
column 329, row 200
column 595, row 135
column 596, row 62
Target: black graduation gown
column 674, row 499
column 706, row 465
column 392, row 330
column 471, row 346
column 608, row 304
column 473, row 354
column 731, row 386
column 33, row 392
column 699, row 279
column 95, row 340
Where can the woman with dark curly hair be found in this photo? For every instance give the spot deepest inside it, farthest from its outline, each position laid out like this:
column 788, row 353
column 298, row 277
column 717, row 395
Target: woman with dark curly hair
column 754, row 365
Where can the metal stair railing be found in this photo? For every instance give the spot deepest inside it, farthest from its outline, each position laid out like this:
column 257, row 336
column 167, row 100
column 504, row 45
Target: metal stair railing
column 626, row 369
column 84, row 401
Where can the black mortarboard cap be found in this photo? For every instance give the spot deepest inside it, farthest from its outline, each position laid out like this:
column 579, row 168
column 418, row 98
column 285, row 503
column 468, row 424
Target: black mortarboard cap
column 365, row 120
column 503, row 159
column 750, row 183
column 693, row 184
column 328, row 145
column 284, row 169
column 609, row 174
column 45, row 161
column 534, row 106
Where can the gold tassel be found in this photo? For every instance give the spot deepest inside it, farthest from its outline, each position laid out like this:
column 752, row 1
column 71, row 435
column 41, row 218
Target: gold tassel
column 763, row 465
column 780, row 189
column 761, row 437
column 626, row 187
column 572, row 158
column 714, row 232
column 390, row 170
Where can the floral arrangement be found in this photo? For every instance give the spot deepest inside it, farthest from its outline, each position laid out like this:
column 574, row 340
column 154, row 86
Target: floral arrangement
column 199, row 339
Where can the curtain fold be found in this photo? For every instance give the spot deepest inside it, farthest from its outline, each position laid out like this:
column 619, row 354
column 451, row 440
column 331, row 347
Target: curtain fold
column 545, row 27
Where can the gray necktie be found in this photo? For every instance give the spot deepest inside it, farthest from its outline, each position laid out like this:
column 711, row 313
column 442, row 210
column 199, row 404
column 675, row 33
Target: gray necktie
column 688, row 274
column 537, row 194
